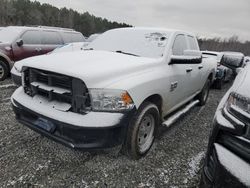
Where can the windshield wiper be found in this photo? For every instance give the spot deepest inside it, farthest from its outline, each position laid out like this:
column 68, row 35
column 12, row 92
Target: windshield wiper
column 121, row 52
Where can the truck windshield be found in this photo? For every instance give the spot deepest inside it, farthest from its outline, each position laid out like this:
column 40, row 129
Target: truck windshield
column 9, row 34
column 137, row 42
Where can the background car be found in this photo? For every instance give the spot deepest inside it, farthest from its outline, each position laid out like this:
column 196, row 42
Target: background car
column 76, row 46
column 16, row 70
column 223, row 74
column 227, row 162
column 92, row 37
column 17, row 43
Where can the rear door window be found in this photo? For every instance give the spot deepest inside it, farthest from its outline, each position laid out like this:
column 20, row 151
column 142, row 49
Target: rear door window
column 180, row 44
column 51, row 38
column 31, row 37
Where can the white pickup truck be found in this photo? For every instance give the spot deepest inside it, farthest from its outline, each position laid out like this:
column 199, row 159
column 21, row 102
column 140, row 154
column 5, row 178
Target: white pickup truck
column 115, row 92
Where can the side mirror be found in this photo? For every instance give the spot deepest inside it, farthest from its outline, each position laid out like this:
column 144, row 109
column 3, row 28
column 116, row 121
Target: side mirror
column 232, row 60
column 19, row 42
column 189, row 57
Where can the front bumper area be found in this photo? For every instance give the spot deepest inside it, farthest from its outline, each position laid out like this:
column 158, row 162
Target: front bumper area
column 229, row 170
column 16, row 79
column 227, row 163
column 86, row 136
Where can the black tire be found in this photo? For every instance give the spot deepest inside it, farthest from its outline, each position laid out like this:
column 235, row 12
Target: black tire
column 218, row 84
column 132, row 146
column 203, row 95
column 4, row 71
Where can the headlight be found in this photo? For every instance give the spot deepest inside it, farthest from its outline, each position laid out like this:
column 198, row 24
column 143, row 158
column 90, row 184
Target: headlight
column 110, row 100
column 237, row 101
column 17, row 69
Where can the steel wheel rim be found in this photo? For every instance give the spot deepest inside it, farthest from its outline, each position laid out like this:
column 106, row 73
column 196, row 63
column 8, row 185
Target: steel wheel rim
column 1, row 71
column 146, row 133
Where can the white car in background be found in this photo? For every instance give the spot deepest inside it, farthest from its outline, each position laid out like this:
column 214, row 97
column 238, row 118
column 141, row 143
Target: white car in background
column 76, row 46
column 92, row 37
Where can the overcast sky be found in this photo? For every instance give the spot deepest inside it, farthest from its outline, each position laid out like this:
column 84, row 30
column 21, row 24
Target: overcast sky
column 203, row 17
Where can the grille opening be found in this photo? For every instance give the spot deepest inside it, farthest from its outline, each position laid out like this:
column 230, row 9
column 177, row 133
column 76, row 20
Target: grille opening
column 77, row 95
column 51, row 79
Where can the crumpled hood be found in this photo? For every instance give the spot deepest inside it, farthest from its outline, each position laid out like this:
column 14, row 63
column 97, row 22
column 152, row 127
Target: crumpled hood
column 97, row 69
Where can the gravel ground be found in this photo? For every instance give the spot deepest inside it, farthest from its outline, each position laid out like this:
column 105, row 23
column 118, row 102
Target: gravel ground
column 30, row 160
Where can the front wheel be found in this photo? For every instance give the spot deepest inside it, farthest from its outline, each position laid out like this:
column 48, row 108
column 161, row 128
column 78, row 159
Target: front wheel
column 203, row 95
column 142, row 130
column 3, row 71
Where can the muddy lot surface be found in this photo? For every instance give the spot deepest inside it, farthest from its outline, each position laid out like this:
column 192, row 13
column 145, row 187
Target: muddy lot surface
column 30, row 160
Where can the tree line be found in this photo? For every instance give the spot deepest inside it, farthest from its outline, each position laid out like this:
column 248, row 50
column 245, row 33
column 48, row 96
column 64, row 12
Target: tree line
column 27, row 13
column 219, row 44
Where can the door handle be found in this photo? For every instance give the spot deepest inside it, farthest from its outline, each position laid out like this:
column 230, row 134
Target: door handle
column 189, row 70
column 38, row 49
column 200, row 67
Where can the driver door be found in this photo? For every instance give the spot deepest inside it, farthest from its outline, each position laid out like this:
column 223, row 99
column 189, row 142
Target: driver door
column 181, row 75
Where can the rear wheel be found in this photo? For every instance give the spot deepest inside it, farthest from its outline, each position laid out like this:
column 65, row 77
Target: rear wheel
column 203, row 96
column 3, row 70
column 218, row 84
column 142, row 130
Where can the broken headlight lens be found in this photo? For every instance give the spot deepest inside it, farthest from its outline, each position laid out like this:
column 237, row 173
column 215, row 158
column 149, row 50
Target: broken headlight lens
column 237, row 101
column 110, row 100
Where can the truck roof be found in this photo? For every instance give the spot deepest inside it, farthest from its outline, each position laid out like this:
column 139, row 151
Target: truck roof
column 155, row 29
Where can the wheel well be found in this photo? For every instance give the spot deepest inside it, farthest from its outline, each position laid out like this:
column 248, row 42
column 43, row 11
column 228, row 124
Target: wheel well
column 157, row 100
column 5, row 61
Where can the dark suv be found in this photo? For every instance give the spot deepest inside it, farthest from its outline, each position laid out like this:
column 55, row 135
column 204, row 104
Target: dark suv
column 227, row 163
column 17, row 43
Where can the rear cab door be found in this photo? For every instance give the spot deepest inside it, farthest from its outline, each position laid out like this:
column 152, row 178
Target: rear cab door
column 195, row 77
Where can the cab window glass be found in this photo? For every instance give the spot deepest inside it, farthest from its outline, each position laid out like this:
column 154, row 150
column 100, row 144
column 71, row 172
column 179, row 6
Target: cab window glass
column 180, row 44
